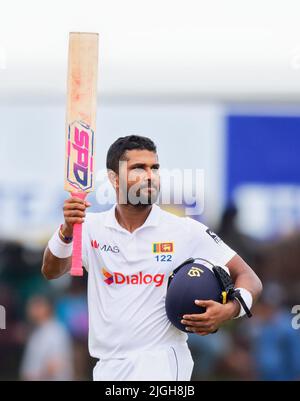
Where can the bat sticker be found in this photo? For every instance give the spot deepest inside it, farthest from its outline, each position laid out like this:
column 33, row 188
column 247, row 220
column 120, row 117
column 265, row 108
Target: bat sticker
column 80, row 156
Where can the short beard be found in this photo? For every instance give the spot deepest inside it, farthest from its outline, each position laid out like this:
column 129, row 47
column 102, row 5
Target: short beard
column 143, row 200
column 139, row 200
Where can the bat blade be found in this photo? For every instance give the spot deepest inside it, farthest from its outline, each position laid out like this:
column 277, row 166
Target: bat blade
column 81, row 111
column 80, row 125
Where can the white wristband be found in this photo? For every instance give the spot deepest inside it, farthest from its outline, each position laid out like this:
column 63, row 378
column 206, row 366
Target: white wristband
column 247, row 297
column 59, row 248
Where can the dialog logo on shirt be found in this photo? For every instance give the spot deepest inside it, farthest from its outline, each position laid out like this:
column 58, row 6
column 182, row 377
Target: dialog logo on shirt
column 163, row 247
column 108, row 277
column 104, row 247
column 133, row 279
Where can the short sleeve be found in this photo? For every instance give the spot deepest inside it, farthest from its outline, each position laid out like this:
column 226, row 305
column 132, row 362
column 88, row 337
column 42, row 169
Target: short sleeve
column 205, row 243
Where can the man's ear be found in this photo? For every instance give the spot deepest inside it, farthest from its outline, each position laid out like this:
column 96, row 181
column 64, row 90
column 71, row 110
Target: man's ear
column 113, row 178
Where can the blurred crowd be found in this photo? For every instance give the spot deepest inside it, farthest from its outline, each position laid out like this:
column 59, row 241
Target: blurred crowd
column 47, row 322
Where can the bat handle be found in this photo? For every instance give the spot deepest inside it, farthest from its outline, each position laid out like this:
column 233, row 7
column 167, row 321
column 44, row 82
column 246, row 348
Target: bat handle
column 76, row 268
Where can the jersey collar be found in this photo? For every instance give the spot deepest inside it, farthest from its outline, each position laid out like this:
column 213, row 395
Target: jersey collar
column 151, row 221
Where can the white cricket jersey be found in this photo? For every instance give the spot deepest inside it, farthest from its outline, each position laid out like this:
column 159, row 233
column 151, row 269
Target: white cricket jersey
column 128, row 275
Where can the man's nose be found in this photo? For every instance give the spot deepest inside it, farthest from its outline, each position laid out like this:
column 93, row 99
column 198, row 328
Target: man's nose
column 150, row 174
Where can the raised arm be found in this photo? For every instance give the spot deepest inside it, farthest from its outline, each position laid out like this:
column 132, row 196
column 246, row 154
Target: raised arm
column 55, row 266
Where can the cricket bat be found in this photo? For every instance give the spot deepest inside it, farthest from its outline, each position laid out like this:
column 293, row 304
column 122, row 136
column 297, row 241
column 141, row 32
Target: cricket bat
column 80, row 126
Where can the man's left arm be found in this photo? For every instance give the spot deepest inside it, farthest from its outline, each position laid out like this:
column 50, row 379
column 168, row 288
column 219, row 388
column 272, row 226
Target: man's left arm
column 216, row 314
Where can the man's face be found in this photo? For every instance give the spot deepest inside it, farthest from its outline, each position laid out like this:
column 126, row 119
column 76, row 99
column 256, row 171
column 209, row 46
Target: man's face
column 138, row 181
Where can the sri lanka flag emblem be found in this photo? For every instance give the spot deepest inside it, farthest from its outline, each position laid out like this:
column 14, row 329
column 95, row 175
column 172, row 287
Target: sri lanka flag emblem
column 163, row 247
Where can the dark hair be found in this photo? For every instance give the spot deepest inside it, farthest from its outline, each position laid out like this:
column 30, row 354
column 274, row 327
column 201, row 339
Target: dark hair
column 117, row 150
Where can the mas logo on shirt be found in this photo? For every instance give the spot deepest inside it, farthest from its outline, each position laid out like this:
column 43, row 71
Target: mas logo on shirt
column 133, row 279
column 104, row 247
column 163, row 247
column 214, row 236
